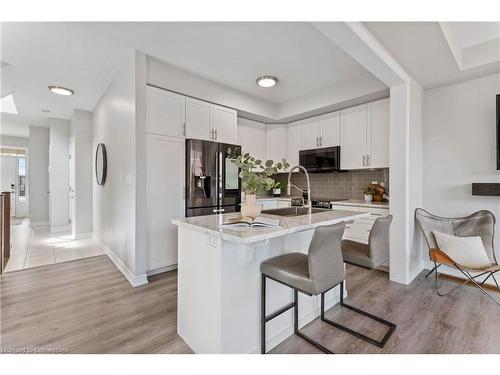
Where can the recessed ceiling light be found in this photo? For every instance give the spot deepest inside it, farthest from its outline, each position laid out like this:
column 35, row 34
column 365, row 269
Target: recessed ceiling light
column 7, row 105
column 267, row 81
column 61, row 90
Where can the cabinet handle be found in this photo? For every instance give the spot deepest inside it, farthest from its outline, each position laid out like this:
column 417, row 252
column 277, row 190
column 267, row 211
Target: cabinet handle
column 184, row 129
column 215, row 134
column 364, row 157
column 367, row 160
column 219, row 210
column 317, row 141
column 320, row 141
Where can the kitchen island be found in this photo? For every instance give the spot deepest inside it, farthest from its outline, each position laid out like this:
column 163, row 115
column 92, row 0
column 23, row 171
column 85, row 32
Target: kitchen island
column 219, row 280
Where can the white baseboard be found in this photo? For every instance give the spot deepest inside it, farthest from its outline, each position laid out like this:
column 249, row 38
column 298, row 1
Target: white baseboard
column 64, row 228
column 39, row 223
column 82, row 236
column 134, row 280
column 156, row 269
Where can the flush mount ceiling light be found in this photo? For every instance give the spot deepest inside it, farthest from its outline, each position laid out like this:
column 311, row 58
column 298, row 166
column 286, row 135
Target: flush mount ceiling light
column 61, row 90
column 267, row 81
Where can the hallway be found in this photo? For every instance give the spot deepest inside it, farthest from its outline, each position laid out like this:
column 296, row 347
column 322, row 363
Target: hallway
column 36, row 246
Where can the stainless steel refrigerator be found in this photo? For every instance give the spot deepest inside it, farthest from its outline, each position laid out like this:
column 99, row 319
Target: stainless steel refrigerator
column 212, row 181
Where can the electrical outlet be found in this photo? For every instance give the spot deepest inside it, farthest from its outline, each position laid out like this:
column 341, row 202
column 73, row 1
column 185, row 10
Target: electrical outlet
column 211, row 240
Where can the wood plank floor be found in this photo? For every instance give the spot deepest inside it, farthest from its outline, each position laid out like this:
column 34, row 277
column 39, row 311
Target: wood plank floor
column 87, row 306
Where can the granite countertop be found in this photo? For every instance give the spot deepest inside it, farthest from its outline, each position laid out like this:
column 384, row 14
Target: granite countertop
column 210, row 224
column 362, row 203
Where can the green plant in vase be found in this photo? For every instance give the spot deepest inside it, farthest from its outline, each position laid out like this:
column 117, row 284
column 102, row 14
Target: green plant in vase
column 256, row 176
column 368, row 192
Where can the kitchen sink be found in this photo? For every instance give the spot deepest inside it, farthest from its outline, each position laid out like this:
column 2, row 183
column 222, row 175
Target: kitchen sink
column 293, row 211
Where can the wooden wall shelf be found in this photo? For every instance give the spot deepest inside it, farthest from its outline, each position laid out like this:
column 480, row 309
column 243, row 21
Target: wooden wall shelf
column 486, row 189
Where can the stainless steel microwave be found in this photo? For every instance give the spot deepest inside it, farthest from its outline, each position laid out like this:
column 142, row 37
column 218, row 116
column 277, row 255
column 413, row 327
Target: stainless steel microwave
column 320, row 160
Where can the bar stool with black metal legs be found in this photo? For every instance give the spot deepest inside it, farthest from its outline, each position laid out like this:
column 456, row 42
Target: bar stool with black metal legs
column 315, row 273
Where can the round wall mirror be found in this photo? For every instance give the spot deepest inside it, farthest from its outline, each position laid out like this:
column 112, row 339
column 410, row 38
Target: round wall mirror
column 101, row 164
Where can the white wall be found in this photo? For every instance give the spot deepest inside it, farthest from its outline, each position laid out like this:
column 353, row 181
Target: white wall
column 460, row 147
column 7, row 140
column 81, row 133
column 38, row 175
column 114, row 203
column 59, row 174
column 175, row 79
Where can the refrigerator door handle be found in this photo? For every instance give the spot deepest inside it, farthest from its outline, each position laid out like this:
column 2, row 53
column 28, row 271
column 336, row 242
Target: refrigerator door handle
column 220, row 182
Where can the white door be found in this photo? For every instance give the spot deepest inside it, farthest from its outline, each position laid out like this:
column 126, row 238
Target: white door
column 293, row 142
column 198, row 119
column 353, row 138
column 251, row 136
column 224, row 122
column 165, row 199
column 378, row 134
column 276, row 142
column 311, row 132
column 330, row 129
column 8, row 179
column 165, row 112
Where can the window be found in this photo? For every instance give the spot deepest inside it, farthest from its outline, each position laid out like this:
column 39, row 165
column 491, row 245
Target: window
column 22, row 176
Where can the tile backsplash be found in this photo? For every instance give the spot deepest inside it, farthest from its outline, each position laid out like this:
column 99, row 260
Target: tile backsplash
column 344, row 185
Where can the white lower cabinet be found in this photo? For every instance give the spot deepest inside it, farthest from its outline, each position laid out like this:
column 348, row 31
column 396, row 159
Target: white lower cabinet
column 270, row 204
column 165, row 199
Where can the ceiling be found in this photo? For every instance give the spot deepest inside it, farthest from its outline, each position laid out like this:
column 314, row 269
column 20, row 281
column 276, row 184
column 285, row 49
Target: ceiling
column 425, row 53
column 18, row 125
column 86, row 56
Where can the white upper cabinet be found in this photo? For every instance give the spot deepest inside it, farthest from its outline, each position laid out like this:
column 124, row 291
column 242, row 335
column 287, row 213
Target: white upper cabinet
column 311, row 133
column 321, row 131
column 276, row 142
column 353, row 137
column 252, row 138
column 330, row 130
column 210, row 122
column 365, row 136
column 198, row 119
column 378, row 137
column 294, row 142
column 224, row 123
column 165, row 112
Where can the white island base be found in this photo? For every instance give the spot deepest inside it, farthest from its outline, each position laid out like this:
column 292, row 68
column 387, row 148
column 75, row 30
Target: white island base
column 219, row 288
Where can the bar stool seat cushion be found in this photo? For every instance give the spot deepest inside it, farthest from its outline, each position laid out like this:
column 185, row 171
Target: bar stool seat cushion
column 357, row 253
column 291, row 269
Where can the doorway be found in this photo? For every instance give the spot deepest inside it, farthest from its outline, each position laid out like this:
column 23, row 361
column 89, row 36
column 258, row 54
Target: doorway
column 13, row 178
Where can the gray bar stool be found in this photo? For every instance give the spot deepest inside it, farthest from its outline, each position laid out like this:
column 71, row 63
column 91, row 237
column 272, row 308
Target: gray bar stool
column 376, row 252
column 315, row 273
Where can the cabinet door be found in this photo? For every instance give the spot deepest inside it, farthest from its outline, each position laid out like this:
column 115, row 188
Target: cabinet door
column 165, row 200
column 378, row 134
column 293, row 142
column 198, row 119
column 353, row 138
column 275, row 142
column 165, row 112
column 311, row 132
column 251, row 135
column 330, row 130
column 224, row 123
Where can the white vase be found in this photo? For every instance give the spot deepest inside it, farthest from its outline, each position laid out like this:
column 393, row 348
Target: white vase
column 250, row 208
column 368, row 197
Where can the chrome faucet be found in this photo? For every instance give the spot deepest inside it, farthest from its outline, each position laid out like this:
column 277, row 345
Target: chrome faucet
column 289, row 185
